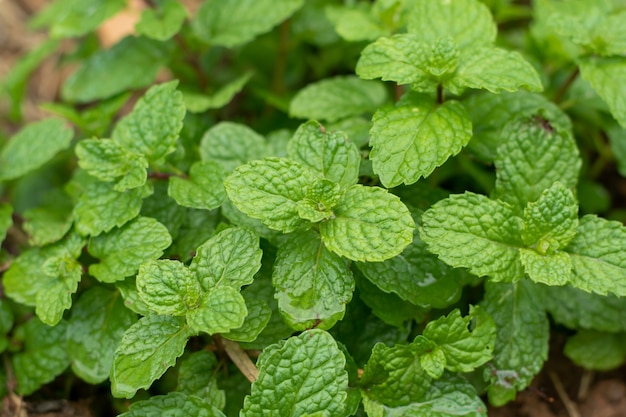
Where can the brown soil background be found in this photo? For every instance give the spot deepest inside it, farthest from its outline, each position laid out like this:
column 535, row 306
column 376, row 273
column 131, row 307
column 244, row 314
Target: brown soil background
column 560, row 390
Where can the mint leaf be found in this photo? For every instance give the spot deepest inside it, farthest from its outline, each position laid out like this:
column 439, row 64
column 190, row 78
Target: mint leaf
column 147, row 349
column 6, row 220
column 199, row 103
column 152, row 128
column 203, row 189
column 48, row 136
column 259, row 314
column 168, row 287
column 369, row 225
column 471, row 231
column 313, row 285
column 319, row 200
column 410, row 141
column 602, row 74
column 174, row 404
column 269, row 190
column 51, row 220
column 220, row 310
column 302, row 376
column 123, row 250
column 331, row 155
column 551, row 269
column 75, row 18
column 596, row 350
column 132, row 299
column 99, row 319
column 44, row 356
column 598, row 263
column 129, row 64
column 163, row 23
column 522, row 339
column 337, row 98
column 55, row 296
column 232, row 144
column 235, row 22
column 197, row 376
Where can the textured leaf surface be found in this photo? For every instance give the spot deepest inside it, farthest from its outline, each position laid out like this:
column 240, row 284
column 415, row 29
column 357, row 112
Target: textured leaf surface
column 596, row 350
column 147, row 349
column 235, row 22
column 303, row 376
column 369, row 225
column 76, row 17
column 269, row 190
column 163, row 23
column 469, row 230
column 55, row 295
column 602, row 74
column 203, row 190
column 99, row 319
column 197, row 376
column 313, row 285
column 259, row 314
column 174, row 404
column 221, row 309
column 550, row 269
column 337, row 98
column 409, row 142
column 48, row 137
column 168, row 287
column 330, row 154
column 123, row 250
column 232, row 144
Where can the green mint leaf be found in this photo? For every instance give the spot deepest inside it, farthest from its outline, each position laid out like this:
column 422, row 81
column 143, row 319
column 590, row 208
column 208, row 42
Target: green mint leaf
column 203, row 190
column 331, row 155
column 129, row 64
column 168, row 287
column 99, row 319
column 220, row 310
column 313, row 285
column 532, row 157
column 232, row 144
column 132, row 299
column 303, row 376
column 152, row 128
column 410, row 141
column 163, row 23
column 319, row 200
column 50, row 221
column 197, row 376
column 259, row 314
column 75, row 18
column 269, row 190
column 6, row 220
column 596, row 350
column 602, row 74
column 464, row 349
column 172, row 404
column 101, row 208
column 199, row 103
column 48, row 137
column 370, row 225
column 598, row 262
column 468, row 22
column 44, row 356
column 55, row 296
column 337, row 98
column 123, row 250
column 471, row 231
column 356, row 23
column 432, row 357
column 495, row 70
column 147, row 349
column 551, row 269
column 236, row 22
column 522, row 339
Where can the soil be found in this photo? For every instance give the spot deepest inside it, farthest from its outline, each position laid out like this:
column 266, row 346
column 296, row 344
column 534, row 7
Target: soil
column 561, row 390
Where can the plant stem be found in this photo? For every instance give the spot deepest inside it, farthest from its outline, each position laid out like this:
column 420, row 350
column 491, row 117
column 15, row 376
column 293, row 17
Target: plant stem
column 241, row 359
column 278, row 80
column 571, row 408
column 566, row 85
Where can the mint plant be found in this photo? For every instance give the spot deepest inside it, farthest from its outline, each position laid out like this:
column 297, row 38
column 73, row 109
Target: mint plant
column 316, row 208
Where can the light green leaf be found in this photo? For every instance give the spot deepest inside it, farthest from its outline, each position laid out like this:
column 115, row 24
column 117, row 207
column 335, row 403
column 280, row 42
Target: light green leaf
column 147, row 349
column 532, row 157
column 232, row 144
column 432, row 357
column 6, row 220
column 337, row 98
column 168, row 287
column 73, row 18
column 522, row 339
column 152, row 128
column 55, row 295
column 370, row 225
column 471, row 231
column 129, row 64
column 269, row 190
column 229, row 259
column 43, row 358
column 123, row 250
column 199, row 103
column 598, row 258
column 236, row 22
column 303, row 376
column 221, row 309
column 313, row 285
column 197, row 376
column 495, row 70
column 606, row 76
column 203, row 190
column 259, row 314
column 330, row 154
column 551, row 269
column 174, row 404
column 132, row 299
column 319, row 200
column 596, row 350
column 468, row 22
column 99, row 319
column 356, row 23
column 48, row 137
column 162, row 23
column 410, row 141
column 101, row 208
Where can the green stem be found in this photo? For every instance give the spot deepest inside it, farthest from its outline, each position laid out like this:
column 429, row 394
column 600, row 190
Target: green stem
column 566, row 85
